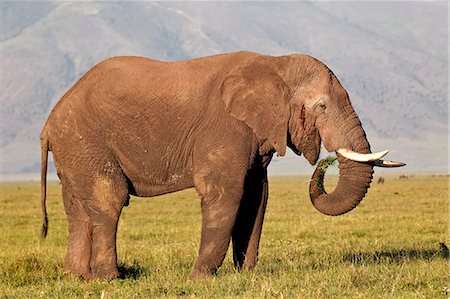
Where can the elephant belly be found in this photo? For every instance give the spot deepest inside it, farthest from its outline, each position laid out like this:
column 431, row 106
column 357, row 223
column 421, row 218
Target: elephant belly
column 154, row 174
column 153, row 185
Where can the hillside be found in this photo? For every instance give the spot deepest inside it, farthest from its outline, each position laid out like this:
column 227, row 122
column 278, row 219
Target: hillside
column 391, row 57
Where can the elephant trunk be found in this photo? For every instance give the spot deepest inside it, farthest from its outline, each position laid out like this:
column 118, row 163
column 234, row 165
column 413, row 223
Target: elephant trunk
column 354, row 180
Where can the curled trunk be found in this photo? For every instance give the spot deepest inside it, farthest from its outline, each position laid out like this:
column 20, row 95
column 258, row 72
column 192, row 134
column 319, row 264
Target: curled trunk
column 354, row 180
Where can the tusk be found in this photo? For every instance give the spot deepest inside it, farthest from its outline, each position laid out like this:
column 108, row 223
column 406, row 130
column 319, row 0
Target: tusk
column 387, row 163
column 354, row 156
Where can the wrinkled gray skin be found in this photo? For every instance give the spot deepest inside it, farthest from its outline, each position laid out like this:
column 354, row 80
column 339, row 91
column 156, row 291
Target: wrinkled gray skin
column 137, row 126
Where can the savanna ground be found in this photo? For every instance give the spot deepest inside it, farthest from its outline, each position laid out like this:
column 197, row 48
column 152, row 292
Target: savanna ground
column 388, row 247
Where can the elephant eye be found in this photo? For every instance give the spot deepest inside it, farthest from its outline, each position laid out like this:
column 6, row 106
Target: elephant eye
column 321, row 106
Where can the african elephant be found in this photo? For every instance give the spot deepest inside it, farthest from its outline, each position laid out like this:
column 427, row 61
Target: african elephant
column 136, row 126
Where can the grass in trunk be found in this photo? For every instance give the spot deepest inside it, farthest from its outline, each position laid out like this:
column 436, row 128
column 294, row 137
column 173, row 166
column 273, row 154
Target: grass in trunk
column 323, row 165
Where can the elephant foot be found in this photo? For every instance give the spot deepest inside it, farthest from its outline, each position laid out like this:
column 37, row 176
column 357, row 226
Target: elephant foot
column 200, row 274
column 93, row 275
column 106, row 276
column 250, row 263
column 77, row 269
column 105, row 273
column 77, row 274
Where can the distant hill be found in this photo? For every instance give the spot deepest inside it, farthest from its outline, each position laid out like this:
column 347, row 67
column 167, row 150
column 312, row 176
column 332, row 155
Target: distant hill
column 391, row 57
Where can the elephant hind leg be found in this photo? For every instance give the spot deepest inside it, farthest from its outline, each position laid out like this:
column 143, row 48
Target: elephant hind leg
column 78, row 253
column 108, row 198
column 93, row 212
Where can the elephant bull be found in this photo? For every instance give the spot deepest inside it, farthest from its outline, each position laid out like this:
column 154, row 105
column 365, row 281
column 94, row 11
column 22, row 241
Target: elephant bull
column 136, row 126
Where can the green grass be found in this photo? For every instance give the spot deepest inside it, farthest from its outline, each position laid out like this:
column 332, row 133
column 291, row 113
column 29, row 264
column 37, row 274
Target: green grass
column 388, row 247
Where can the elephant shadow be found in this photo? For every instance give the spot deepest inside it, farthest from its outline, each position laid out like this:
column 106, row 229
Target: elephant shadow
column 132, row 271
column 396, row 256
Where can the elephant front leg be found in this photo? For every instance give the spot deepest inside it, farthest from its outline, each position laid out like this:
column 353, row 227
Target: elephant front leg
column 247, row 230
column 219, row 208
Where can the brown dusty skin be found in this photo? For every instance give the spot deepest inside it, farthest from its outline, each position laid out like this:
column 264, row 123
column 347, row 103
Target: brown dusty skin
column 136, row 126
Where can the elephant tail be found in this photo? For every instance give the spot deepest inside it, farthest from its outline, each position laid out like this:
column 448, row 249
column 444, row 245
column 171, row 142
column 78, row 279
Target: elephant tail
column 44, row 160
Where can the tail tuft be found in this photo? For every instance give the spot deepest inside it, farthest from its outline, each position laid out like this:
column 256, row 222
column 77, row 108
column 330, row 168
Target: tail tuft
column 44, row 228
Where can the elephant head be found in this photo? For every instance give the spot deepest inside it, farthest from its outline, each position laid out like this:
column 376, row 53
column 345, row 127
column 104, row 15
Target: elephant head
column 301, row 104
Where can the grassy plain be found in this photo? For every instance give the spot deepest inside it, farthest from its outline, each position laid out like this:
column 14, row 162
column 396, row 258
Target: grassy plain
column 388, row 247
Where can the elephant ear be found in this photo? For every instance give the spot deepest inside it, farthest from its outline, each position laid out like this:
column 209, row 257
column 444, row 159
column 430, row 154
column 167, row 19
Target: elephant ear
column 256, row 95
